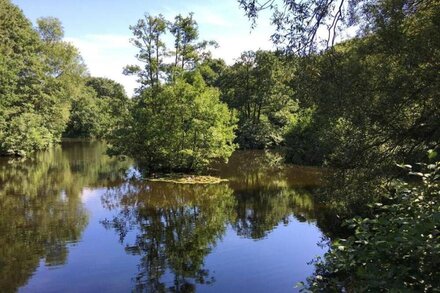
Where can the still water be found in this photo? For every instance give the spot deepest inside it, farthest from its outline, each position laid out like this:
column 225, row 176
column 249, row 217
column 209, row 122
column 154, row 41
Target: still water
column 74, row 220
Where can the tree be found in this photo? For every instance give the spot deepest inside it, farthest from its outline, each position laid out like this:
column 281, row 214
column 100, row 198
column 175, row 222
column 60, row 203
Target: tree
column 112, row 102
column 148, row 38
column 402, row 235
column 149, row 34
column 309, row 26
column 177, row 122
column 85, row 116
column 211, row 70
column 374, row 99
column 27, row 102
column 181, row 127
column 66, row 69
column 43, row 87
column 257, row 87
column 98, row 110
column 50, row 29
column 40, row 77
column 106, row 88
column 187, row 51
column 185, row 32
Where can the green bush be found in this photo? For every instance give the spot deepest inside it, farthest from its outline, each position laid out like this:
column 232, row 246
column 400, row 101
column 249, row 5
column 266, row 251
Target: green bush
column 26, row 133
column 396, row 250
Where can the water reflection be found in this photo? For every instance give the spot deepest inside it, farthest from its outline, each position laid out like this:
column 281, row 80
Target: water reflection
column 171, row 230
column 258, row 213
column 346, row 194
column 252, row 170
column 41, row 208
column 269, row 193
column 176, row 227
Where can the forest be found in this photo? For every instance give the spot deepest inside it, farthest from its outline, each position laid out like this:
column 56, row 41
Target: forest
column 366, row 108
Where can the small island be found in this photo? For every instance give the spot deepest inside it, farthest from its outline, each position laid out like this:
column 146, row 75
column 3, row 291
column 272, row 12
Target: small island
column 179, row 178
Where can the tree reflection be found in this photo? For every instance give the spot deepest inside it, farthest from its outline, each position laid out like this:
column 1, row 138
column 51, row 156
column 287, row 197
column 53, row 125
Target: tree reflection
column 346, row 194
column 176, row 226
column 268, row 192
column 259, row 212
column 41, row 209
column 252, row 170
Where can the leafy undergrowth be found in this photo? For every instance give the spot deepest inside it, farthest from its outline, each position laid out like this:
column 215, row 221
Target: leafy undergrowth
column 397, row 250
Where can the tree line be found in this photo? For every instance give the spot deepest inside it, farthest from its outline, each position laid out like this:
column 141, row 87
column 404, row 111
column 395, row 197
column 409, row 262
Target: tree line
column 46, row 91
column 371, row 100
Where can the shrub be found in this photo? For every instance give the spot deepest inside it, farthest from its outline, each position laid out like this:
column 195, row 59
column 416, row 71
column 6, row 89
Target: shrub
column 398, row 249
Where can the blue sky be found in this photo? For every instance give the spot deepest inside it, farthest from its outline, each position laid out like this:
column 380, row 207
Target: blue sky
column 99, row 28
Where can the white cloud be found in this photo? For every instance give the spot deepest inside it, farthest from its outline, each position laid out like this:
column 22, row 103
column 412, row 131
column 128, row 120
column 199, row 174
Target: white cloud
column 232, row 46
column 106, row 55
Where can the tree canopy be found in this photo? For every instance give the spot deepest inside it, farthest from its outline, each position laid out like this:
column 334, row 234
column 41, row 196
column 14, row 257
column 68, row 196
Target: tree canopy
column 43, row 87
column 177, row 122
column 366, row 104
column 258, row 88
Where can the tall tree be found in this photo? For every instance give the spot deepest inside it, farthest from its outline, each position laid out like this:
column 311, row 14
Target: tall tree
column 178, row 123
column 50, row 29
column 148, row 38
column 188, row 51
column 185, row 32
column 66, row 69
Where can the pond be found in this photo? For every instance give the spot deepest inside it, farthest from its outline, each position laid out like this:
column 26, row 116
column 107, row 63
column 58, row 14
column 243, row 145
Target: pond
column 74, row 220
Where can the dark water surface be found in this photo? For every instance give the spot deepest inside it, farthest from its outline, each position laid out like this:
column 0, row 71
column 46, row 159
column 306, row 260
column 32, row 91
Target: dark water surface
column 72, row 220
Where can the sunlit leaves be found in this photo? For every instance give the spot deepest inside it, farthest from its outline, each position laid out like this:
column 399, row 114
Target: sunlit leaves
column 402, row 236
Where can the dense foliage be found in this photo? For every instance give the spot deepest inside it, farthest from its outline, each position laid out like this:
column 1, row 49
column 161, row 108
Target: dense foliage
column 98, row 110
column 33, row 108
column 257, row 88
column 374, row 100
column 177, row 122
column 402, row 236
column 366, row 104
column 43, row 87
column 181, row 127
